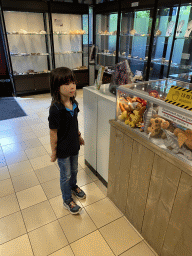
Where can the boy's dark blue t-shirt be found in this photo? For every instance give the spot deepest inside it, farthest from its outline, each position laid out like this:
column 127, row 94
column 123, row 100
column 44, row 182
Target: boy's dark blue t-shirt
column 66, row 123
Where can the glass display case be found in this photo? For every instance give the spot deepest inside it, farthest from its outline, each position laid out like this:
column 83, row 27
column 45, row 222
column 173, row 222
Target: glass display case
column 181, row 66
column 29, row 47
column 70, row 35
column 134, row 39
column 29, row 42
column 106, row 37
column 163, row 40
column 146, row 107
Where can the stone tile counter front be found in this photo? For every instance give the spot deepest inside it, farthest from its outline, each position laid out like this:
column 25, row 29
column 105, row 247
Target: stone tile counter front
column 153, row 189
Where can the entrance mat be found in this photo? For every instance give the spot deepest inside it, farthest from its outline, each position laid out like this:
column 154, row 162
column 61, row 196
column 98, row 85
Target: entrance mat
column 9, row 108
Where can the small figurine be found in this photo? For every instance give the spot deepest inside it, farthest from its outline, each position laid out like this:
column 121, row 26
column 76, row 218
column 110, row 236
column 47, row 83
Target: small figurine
column 133, row 32
column 158, row 33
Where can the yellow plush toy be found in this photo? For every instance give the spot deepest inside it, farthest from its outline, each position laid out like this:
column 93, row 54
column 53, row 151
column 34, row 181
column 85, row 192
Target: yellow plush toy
column 137, row 117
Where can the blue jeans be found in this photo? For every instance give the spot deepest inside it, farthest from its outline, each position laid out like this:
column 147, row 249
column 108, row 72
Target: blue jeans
column 68, row 175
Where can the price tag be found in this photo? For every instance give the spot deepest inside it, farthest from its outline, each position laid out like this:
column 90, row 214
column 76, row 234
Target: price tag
column 134, row 4
column 176, row 118
column 180, row 97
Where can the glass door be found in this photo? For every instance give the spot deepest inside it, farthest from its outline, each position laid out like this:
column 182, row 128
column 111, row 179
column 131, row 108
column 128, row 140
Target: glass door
column 106, row 37
column 134, row 40
column 163, row 40
column 181, row 64
column 70, row 35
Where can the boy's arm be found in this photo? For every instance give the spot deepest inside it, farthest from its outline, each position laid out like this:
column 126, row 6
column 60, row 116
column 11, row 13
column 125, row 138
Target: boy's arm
column 53, row 142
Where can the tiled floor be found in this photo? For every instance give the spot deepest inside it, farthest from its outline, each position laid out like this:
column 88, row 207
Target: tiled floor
column 33, row 220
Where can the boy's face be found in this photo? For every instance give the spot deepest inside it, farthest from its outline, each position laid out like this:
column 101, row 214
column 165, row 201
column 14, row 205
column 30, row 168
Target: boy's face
column 68, row 90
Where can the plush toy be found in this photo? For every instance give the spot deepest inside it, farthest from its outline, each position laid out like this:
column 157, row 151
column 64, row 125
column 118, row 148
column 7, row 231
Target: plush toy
column 184, row 137
column 155, row 129
column 137, row 117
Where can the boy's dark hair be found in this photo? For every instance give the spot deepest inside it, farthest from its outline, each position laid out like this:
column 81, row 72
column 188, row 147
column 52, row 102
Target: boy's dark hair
column 60, row 76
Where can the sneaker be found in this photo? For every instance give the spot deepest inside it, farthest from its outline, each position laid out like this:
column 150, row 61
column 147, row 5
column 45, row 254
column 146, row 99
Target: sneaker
column 79, row 193
column 72, row 207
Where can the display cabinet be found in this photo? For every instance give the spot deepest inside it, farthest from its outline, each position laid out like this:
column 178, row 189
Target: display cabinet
column 134, row 39
column 166, row 19
column 147, row 109
column 106, row 37
column 70, row 33
column 181, row 62
column 29, row 47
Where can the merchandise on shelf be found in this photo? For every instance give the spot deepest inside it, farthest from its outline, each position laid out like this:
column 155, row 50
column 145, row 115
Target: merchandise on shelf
column 159, row 110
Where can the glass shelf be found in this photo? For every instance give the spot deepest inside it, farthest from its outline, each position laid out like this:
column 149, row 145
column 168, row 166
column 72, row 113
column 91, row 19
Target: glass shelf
column 30, row 34
column 70, row 34
column 29, row 55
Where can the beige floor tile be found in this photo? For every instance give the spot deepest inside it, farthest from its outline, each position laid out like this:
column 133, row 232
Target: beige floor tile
column 66, row 251
column 33, row 121
column 81, row 161
column 4, row 173
column 38, row 215
column 15, row 157
column 2, row 161
column 75, row 227
column 52, row 188
column 9, row 140
column 120, row 235
column 11, row 227
column 31, row 196
column 93, row 194
column 101, row 186
column 57, row 205
column 39, row 127
column 20, row 168
column 103, row 212
column 12, row 148
column 24, row 181
column 45, row 140
column 35, row 152
column 42, row 132
column 40, row 162
column 59, row 209
column 91, row 245
column 6, row 187
column 83, row 178
column 24, row 129
column 47, row 239
column 140, row 249
column 26, row 136
column 81, row 151
column 48, row 148
column 91, row 174
column 8, row 205
column 47, row 173
column 17, row 247
column 7, row 133
column 32, row 143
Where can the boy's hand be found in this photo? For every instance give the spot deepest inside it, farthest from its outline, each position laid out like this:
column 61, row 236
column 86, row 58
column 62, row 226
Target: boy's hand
column 81, row 141
column 53, row 157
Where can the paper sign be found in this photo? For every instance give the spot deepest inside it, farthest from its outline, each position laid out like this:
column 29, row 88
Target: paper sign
column 99, row 77
column 180, row 97
column 176, row 118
